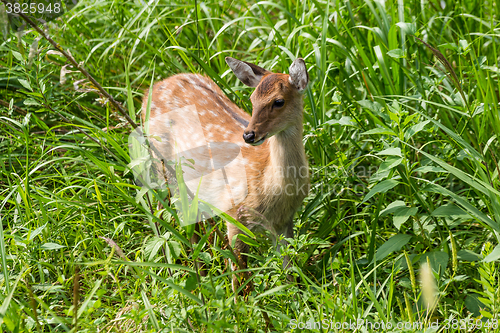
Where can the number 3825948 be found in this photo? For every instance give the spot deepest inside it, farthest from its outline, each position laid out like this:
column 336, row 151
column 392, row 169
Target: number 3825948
column 32, row 8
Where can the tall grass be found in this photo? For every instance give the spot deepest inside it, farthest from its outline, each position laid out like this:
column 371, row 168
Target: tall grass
column 401, row 131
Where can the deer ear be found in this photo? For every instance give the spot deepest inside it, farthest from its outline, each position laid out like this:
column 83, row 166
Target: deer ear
column 298, row 74
column 246, row 72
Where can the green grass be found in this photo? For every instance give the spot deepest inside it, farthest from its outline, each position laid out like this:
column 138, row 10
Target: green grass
column 402, row 142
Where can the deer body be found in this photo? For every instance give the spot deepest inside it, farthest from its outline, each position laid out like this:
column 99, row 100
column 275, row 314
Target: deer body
column 270, row 141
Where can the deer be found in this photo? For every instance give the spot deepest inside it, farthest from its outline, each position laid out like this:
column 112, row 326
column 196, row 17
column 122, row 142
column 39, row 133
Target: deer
column 273, row 168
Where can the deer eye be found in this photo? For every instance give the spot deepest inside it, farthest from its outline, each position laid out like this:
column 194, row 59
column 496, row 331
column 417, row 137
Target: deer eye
column 279, row 103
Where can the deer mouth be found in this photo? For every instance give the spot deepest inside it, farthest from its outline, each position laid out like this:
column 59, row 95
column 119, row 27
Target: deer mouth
column 261, row 141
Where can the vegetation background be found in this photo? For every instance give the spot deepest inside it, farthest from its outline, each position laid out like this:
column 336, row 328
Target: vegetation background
column 402, row 141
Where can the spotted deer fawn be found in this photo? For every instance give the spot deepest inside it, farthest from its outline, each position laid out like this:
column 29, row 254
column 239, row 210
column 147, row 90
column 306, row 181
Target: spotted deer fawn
column 274, row 169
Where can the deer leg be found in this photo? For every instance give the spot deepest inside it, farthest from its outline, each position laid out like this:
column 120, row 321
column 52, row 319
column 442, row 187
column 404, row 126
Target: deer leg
column 199, row 228
column 240, row 249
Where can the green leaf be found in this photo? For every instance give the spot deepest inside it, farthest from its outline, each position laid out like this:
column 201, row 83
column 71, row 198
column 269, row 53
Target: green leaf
column 485, row 301
column 494, row 255
column 175, row 249
column 247, row 240
column 31, row 102
column 25, row 84
column 206, row 257
column 450, row 210
column 407, row 28
column 344, row 121
column 390, row 151
column 389, row 163
column 231, row 220
column 381, row 187
column 415, row 129
column 393, row 115
column 379, row 130
column 402, row 215
column 191, row 282
column 485, row 314
column 274, row 291
column 51, row 246
column 400, row 211
column 153, row 246
column 98, row 193
column 395, row 243
column 336, row 99
column 468, row 255
column 147, row 305
column 36, row 232
column 429, row 168
column 17, row 55
column 396, row 53
column 392, row 207
column 372, row 106
column 464, row 45
column 474, row 305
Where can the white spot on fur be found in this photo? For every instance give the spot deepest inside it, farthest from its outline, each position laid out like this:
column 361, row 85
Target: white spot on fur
column 196, row 137
column 165, row 95
column 176, row 102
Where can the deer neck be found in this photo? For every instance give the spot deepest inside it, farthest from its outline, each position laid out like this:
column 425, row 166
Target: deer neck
column 286, row 155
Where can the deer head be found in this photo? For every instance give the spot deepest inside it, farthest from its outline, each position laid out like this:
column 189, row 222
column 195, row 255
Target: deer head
column 276, row 101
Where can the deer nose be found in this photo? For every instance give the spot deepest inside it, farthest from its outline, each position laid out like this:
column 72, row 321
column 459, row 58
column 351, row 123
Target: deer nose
column 249, row 137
